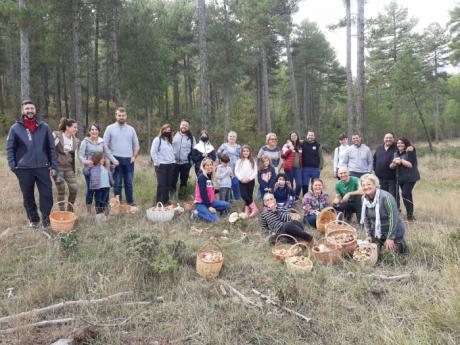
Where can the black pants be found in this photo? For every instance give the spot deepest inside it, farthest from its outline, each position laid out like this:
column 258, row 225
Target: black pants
column 389, row 186
column 165, row 174
column 246, row 191
column 357, row 174
column 295, row 229
column 182, row 171
column 102, row 199
column 27, row 180
column 352, row 206
column 406, row 191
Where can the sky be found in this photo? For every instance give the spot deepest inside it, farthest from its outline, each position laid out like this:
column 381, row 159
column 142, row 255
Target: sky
column 326, row 12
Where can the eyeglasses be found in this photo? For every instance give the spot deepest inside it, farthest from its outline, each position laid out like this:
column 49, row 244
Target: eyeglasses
column 272, row 139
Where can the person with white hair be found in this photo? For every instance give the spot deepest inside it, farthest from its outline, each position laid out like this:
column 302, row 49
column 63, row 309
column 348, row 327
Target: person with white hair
column 380, row 216
column 233, row 150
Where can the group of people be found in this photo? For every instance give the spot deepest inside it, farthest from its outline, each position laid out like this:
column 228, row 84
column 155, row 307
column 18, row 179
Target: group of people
column 283, row 172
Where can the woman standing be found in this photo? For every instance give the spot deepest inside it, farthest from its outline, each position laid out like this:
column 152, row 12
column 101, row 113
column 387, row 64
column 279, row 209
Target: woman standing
column 202, row 149
column 233, row 150
column 271, row 150
column 162, row 154
column 407, row 174
column 246, row 172
column 339, row 154
column 380, row 216
column 314, row 201
column 89, row 146
column 292, row 155
column 66, row 150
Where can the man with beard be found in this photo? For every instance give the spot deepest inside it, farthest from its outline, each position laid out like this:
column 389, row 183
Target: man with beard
column 32, row 158
column 383, row 157
column 123, row 144
column 312, row 160
column 358, row 157
column 183, row 143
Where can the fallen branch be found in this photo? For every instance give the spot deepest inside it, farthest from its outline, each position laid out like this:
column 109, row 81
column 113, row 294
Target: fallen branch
column 383, row 277
column 63, row 305
column 40, row 324
column 245, row 299
column 268, row 300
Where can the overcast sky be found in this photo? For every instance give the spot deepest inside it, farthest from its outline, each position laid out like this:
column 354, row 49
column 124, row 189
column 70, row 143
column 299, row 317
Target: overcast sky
column 326, row 12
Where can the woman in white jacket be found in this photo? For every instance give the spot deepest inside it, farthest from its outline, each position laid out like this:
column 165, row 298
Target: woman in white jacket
column 246, row 172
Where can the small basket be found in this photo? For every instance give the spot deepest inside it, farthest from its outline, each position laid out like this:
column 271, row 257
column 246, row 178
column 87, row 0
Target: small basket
column 370, row 259
column 299, row 264
column 160, row 213
column 282, row 251
column 332, row 254
column 204, row 266
column 336, row 231
column 62, row 221
column 326, row 215
column 295, row 215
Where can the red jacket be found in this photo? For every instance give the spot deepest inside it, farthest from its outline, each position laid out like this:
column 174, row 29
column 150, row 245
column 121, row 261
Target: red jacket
column 288, row 154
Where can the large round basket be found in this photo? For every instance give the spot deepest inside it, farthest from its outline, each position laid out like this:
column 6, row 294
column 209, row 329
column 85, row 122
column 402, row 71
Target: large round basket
column 295, row 215
column 282, row 250
column 339, row 225
column 326, row 216
column 299, row 264
column 327, row 253
column 160, row 213
column 209, row 260
column 343, row 234
column 62, row 220
column 366, row 254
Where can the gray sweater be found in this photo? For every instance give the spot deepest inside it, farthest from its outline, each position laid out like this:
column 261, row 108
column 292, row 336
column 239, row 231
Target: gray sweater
column 121, row 140
column 88, row 149
column 182, row 147
column 162, row 152
column 358, row 159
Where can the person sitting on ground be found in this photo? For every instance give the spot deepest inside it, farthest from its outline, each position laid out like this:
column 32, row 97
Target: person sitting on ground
column 380, row 216
column 100, row 181
column 348, row 194
column 314, row 201
column 266, row 176
column 276, row 220
column 224, row 177
column 205, row 204
column 283, row 191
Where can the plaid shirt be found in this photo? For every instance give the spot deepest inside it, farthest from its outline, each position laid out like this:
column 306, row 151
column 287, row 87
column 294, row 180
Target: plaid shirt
column 312, row 203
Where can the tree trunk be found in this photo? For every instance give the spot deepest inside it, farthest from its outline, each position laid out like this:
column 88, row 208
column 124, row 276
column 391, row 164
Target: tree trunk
column 436, row 116
column 201, row 7
column 360, row 69
column 108, row 89
column 57, row 93
column 44, row 109
column 226, row 112
column 422, row 119
column 66, row 95
column 190, row 83
column 96, row 66
column 259, row 98
column 113, row 46
column 294, row 97
column 349, row 75
column 25, row 65
column 265, row 92
column 167, row 103
column 186, row 94
column 148, row 115
column 305, row 98
column 176, row 94
column 77, row 99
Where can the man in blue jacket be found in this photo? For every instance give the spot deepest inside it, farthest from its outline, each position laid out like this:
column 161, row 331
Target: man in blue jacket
column 32, row 158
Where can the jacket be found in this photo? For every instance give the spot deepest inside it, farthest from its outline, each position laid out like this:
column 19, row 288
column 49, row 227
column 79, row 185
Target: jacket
column 270, row 184
column 183, row 145
column 272, row 222
column 312, row 155
column 289, row 155
column 94, row 174
column 404, row 174
column 29, row 151
column 201, row 149
column 66, row 160
column 204, row 190
column 88, row 149
column 382, row 161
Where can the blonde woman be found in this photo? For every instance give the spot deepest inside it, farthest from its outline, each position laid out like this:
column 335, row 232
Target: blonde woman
column 271, row 150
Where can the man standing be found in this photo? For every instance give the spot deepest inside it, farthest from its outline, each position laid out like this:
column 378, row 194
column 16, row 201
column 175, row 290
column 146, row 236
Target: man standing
column 358, row 157
column 183, row 143
column 348, row 194
column 32, row 158
column 383, row 157
column 123, row 144
column 312, row 160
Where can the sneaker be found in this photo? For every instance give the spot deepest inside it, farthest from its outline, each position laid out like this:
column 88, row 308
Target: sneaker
column 46, row 223
column 193, row 214
column 34, row 225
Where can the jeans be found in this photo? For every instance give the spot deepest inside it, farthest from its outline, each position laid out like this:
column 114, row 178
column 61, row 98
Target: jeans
column 309, row 174
column 225, row 193
column 123, row 175
column 89, row 192
column 205, row 214
column 310, row 219
column 102, row 199
column 164, row 181
column 182, row 171
column 247, row 190
column 406, row 189
column 236, row 188
column 27, row 179
column 389, row 186
column 295, row 175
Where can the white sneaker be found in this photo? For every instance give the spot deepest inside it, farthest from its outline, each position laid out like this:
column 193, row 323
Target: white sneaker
column 193, row 214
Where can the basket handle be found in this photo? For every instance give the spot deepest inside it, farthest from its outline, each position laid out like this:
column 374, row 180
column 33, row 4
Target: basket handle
column 329, row 209
column 285, row 235
column 64, row 202
column 160, row 204
column 340, row 222
column 299, row 244
column 210, row 244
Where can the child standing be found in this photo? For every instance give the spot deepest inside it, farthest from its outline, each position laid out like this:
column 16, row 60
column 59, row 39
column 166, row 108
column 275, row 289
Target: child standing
column 266, row 176
column 100, row 181
column 246, row 172
column 224, row 177
column 283, row 192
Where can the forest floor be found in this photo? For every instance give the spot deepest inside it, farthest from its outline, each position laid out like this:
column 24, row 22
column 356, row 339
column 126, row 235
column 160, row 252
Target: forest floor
column 346, row 303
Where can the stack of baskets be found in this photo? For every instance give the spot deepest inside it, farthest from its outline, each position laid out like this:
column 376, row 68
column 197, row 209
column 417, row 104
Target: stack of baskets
column 209, row 260
column 63, row 220
column 160, row 213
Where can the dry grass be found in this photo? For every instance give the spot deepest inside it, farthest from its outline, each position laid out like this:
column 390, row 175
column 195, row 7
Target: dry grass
column 341, row 300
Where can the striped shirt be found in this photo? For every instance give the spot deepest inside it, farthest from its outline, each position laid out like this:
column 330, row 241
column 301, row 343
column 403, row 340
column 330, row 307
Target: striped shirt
column 273, row 221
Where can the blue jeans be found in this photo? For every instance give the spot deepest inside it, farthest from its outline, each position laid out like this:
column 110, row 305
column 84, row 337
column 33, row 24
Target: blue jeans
column 102, row 199
column 236, row 189
column 309, row 174
column 310, row 219
column 89, row 193
column 123, row 175
column 205, row 214
column 295, row 175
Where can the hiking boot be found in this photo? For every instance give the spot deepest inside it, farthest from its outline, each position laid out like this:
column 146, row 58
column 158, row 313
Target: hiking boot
column 46, row 223
column 34, row 225
column 411, row 218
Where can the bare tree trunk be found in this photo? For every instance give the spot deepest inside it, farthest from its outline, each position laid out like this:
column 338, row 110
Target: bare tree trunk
column 176, row 94
column 349, row 75
column 265, row 91
column 66, row 95
column 96, row 66
column 360, row 69
column 108, row 94
column 186, row 94
column 57, row 93
column 294, row 97
column 113, row 46
column 190, row 84
column 436, row 116
column 44, row 109
column 201, row 8
column 305, row 98
column 422, row 119
column 25, row 65
column 226, row 112
column 167, row 103
column 77, row 100
column 148, row 115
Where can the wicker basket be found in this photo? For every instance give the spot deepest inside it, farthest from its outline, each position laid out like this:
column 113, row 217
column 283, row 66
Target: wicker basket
column 62, row 221
column 295, row 215
column 340, row 225
column 160, row 213
column 326, row 215
column 204, row 266
column 327, row 253
column 334, row 232
column 299, row 264
column 371, row 249
column 282, row 251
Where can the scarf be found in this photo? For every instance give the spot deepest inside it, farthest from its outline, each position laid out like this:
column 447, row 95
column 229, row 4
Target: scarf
column 204, row 147
column 31, row 125
column 374, row 204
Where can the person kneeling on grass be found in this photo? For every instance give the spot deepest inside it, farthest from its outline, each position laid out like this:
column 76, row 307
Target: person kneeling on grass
column 100, row 181
column 205, row 204
column 314, row 201
column 380, row 216
column 277, row 220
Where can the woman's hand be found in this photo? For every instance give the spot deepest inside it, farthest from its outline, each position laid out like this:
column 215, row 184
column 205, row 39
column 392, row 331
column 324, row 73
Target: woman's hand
column 273, row 207
column 212, row 210
column 389, row 245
